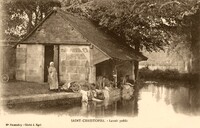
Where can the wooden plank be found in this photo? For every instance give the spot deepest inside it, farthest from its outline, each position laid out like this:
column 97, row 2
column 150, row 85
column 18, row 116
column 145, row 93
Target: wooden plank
column 98, row 56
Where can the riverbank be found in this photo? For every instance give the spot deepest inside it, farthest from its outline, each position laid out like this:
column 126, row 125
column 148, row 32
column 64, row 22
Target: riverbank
column 17, row 93
column 21, row 88
column 166, row 83
column 169, row 77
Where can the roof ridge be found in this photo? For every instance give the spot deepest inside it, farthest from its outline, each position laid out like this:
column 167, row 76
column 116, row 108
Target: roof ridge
column 84, row 18
column 60, row 10
column 125, row 48
column 91, row 32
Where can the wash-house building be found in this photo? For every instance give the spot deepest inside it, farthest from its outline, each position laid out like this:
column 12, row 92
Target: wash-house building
column 79, row 49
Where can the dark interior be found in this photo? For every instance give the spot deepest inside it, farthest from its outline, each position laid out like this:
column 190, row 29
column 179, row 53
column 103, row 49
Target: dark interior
column 49, row 53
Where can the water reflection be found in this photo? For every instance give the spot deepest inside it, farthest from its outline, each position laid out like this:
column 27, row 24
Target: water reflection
column 175, row 100
column 116, row 107
column 150, row 101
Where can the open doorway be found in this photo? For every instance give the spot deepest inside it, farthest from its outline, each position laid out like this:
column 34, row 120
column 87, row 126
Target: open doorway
column 49, row 56
column 105, row 69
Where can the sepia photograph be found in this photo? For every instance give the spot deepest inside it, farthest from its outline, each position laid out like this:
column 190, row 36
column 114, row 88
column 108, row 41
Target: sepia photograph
column 100, row 63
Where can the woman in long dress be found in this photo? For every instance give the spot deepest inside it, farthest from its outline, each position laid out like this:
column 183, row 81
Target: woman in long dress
column 52, row 77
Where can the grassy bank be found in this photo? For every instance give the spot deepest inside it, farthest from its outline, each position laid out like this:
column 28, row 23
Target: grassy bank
column 168, row 75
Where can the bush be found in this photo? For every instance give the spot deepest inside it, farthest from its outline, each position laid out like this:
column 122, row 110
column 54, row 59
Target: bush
column 174, row 75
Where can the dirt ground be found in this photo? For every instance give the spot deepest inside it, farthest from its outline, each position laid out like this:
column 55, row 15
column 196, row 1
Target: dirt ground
column 21, row 88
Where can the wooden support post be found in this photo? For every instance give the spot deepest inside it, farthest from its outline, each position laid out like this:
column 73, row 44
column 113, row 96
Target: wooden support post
column 92, row 68
column 136, row 70
column 92, row 75
column 115, row 76
column 115, row 72
column 56, row 59
column 133, row 71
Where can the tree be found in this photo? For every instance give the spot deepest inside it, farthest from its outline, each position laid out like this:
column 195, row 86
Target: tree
column 21, row 16
column 149, row 25
column 142, row 24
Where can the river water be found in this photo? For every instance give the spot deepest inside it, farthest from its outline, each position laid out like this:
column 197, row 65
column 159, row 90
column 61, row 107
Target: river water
column 153, row 106
column 150, row 101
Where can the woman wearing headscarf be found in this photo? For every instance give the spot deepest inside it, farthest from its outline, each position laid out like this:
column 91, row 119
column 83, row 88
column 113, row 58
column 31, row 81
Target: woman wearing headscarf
column 52, row 77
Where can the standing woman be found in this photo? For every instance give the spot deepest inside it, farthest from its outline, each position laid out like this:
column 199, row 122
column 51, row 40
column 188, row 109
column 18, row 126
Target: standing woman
column 52, row 77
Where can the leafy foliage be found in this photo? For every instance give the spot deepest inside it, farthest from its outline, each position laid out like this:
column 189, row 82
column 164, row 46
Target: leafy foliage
column 143, row 24
column 20, row 16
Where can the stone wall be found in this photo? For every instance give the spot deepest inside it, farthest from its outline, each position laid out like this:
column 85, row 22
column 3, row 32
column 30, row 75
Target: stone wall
column 30, row 63
column 8, row 61
column 21, row 62
column 74, row 63
column 35, row 63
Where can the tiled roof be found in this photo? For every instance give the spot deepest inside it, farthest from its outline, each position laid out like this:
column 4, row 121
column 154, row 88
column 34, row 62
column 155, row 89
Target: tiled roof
column 109, row 45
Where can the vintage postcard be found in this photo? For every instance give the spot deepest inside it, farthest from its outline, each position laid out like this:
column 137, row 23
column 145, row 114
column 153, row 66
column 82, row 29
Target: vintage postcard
column 100, row 63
